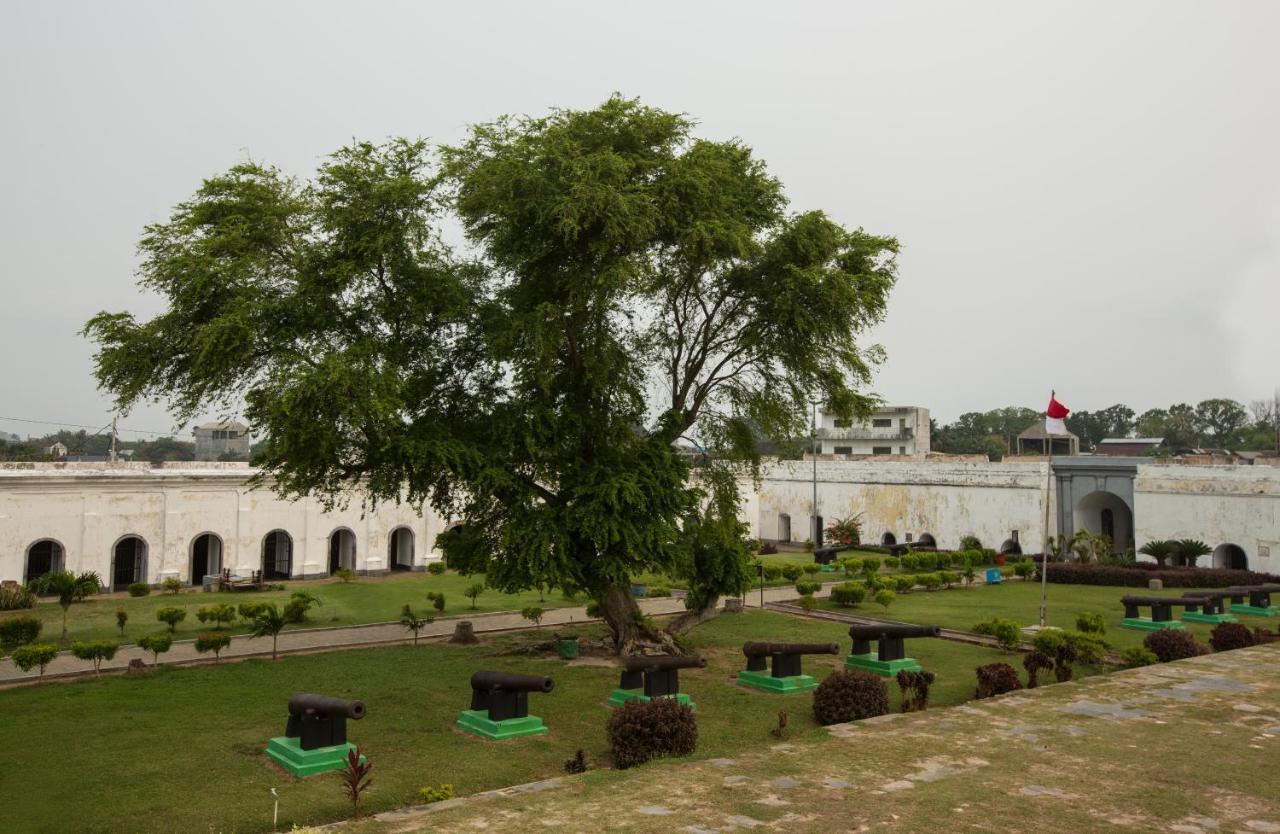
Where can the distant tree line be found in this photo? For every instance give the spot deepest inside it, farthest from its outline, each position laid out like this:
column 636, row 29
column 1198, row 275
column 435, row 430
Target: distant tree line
column 81, row 442
column 1213, row 423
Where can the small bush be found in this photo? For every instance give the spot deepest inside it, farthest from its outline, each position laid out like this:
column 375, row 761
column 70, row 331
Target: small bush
column 17, row 598
column 892, row 562
column 852, row 566
column 948, row 578
column 436, row 568
column 884, row 598
column 808, row 603
column 171, row 617
column 157, row 644
column 249, row 610
column 1007, row 633
column 122, row 617
column 300, row 602
column 1035, row 662
column 1091, row 622
column 930, row 581
column 96, row 651
column 345, row 574
column 171, row 585
column 772, row 573
column 219, row 615
column 19, row 631
column 870, row 565
column 657, row 729
column 1023, row 570
column 1262, row 637
column 849, row 695
column 808, row 545
column 1138, row 656
column 848, row 594
column 806, row 587
column 1048, row 640
column 811, row 568
column 904, row 584
column 533, row 614
column 473, row 592
column 1062, row 661
column 909, row 561
column 768, row 549
column 213, row 642
column 658, row 591
column 1089, row 647
column 578, row 764
column 1169, row 644
column 792, row 572
column 996, row 679
column 915, row 690
column 139, row 589
column 31, row 655
column 1228, row 636
column 438, row 793
column 970, row 543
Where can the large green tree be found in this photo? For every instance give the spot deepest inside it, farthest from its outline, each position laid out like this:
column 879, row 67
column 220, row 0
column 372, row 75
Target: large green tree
column 626, row 287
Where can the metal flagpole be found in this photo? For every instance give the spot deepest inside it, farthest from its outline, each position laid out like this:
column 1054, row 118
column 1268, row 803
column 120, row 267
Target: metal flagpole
column 1044, row 549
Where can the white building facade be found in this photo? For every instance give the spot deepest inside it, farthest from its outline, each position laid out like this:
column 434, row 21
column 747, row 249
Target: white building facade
column 901, row 430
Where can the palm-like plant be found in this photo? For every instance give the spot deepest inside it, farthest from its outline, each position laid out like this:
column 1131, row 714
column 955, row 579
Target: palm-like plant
column 1159, row 549
column 68, row 588
column 1189, row 550
column 268, row 621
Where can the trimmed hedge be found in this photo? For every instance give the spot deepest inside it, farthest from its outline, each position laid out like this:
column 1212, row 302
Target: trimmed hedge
column 1137, row 576
column 660, row 728
column 850, row 695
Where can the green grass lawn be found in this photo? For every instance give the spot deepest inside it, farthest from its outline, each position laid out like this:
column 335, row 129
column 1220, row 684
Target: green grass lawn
column 365, row 600
column 181, row 749
column 1019, row 600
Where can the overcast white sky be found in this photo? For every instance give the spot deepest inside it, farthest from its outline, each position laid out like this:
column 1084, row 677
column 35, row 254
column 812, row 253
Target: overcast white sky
column 1087, row 194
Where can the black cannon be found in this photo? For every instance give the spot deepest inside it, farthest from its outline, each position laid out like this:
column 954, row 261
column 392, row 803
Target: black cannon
column 826, row 555
column 784, row 657
column 320, row 721
column 1161, row 607
column 1259, row 595
column 889, row 638
column 1210, row 601
column 505, row 695
column 658, row 676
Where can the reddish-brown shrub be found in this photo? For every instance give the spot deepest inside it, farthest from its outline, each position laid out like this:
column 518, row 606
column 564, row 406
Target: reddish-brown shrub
column 640, row 732
column 1228, row 636
column 996, row 679
column 1172, row 644
column 850, row 695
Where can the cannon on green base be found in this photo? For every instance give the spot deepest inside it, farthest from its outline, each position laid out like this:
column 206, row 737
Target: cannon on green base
column 645, row 678
column 500, row 705
column 1210, row 610
column 890, row 656
column 826, row 555
column 315, row 736
column 775, row 667
column 1161, row 611
column 1259, row 604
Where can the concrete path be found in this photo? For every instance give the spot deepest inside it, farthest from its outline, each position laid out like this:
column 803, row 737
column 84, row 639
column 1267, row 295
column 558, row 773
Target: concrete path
column 320, row 639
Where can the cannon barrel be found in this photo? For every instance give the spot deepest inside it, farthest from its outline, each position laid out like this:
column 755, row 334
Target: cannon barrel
column 1266, row 587
column 757, row 648
column 876, row 631
column 645, row 663
column 1217, row 593
column 307, row 702
column 834, row 549
column 1183, row 600
column 511, row 682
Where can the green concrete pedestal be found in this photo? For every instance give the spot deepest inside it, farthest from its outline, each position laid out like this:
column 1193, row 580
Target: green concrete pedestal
column 288, row 753
column 768, row 683
column 1148, row 624
column 1200, row 617
column 477, row 723
column 887, row 668
column 618, row 697
column 1256, row 611
column 828, row 569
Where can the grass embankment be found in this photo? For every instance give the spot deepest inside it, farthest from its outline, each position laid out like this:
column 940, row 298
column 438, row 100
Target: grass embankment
column 181, row 749
column 1018, row 600
column 364, row 600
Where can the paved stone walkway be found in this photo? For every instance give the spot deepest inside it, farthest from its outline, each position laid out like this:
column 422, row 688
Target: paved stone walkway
column 319, row 639
column 1188, row 747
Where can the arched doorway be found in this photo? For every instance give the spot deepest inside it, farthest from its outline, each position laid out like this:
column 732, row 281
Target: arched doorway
column 206, row 557
column 1011, row 547
column 888, row 540
column 926, row 542
column 400, row 549
column 43, row 556
column 784, row 527
column 277, row 555
column 342, row 550
column 1106, row 514
column 128, row 562
column 1229, row 555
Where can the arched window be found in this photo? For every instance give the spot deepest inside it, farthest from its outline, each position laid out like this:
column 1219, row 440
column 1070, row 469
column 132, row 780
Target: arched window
column 206, row 557
column 342, row 550
column 1010, row 546
column 1230, row 556
column 888, row 539
column 400, row 549
column 128, row 562
column 926, row 541
column 277, row 555
column 43, row 556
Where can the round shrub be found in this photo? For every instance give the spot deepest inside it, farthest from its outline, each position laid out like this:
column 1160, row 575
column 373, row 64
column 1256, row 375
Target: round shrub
column 930, row 581
column 435, row 568
column 1091, row 622
column 1089, row 647
column 806, row 587
column 848, row 594
column 892, row 562
column 773, row 573
column 19, row 631
column 1007, row 632
column 996, row 679
column 640, row 732
column 1228, row 636
column 1049, row 640
column 870, row 565
column 1172, row 644
column 139, row 589
column 850, row 695
column 811, row 567
column 1023, row 570
column 1035, row 662
column 904, row 584
column 909, row 561
column 792, row 572
column 948, row 578
column 884, row 597
column 1138, row 656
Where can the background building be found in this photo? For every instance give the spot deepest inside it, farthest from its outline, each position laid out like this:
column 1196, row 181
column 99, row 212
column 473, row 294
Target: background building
column 890, row 430
column 222, row 440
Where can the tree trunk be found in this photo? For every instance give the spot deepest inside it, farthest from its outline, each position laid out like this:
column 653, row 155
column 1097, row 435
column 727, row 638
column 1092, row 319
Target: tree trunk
column 624, row 618
column 709, row 610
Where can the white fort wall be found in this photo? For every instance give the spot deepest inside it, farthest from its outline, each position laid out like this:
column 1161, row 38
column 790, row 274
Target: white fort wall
column 947, row 500
column 88, row 508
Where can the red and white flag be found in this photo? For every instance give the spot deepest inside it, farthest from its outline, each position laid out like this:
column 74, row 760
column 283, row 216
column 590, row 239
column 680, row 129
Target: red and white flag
column 1055, row 415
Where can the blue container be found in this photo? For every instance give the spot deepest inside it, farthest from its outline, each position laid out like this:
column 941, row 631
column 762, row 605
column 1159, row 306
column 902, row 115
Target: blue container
column 639, row 590
column 994, row 576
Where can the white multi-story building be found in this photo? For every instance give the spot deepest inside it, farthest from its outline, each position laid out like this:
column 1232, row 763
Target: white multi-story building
column 222, row 439
column 890, row 430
